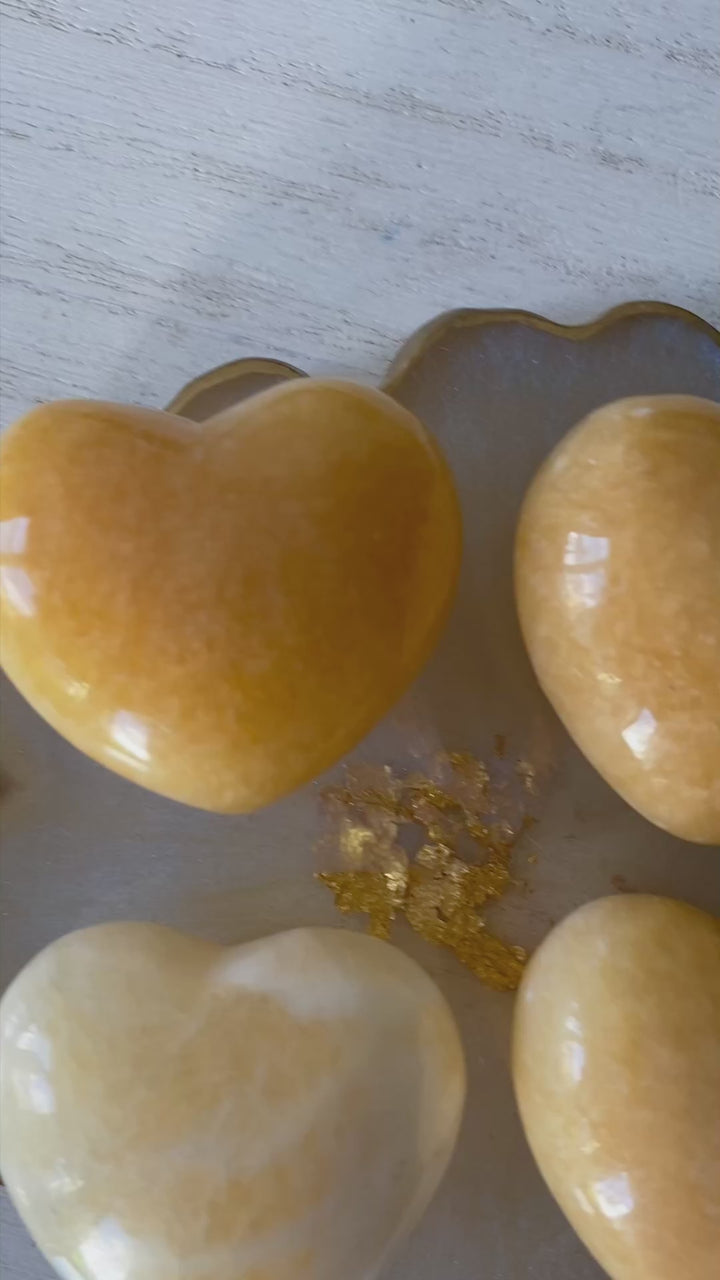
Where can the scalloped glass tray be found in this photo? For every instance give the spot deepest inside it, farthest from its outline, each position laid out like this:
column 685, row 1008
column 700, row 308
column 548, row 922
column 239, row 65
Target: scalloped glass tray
column 81, row 845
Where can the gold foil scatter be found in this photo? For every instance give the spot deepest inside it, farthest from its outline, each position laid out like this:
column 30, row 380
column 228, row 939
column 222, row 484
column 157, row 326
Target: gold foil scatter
column 468, row 824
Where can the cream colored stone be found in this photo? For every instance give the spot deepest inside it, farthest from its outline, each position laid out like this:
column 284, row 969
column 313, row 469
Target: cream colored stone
column 616, row 1062
column 618, row 589
column 172, row 1109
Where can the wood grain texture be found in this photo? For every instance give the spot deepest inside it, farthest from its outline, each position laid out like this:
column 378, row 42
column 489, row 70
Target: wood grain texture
column 184, row 183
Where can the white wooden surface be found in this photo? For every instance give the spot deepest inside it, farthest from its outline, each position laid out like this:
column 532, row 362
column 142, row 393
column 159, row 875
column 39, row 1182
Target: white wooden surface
column 186, row 182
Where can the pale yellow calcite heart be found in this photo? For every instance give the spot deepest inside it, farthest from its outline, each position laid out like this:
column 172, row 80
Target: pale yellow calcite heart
column 616, row 1061
column 618, row 589
column 175, row 1110
column 220, row 612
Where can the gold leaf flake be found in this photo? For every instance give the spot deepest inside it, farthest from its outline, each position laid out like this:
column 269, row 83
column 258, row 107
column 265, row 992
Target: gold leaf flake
column 468, row 824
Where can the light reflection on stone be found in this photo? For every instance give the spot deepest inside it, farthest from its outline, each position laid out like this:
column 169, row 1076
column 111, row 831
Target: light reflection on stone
column 639, row 734
column 18, row 589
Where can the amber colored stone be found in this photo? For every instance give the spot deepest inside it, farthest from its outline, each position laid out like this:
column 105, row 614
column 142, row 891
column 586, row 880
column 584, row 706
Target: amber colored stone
column 618, row 589
column 616, row 1063
column 220, row 612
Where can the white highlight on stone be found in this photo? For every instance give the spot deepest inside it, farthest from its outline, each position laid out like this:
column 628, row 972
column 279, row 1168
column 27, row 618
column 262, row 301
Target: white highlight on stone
column 18, row 588
column 639, row 734
column 130, row 734
column 13, row 535
column 614, row 1196
column 585, row 548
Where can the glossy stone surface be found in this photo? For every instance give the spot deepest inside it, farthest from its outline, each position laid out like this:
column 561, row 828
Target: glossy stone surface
column 618, row 588
column 281, row 1110
column 220, row 612
column 617, row 1074
column 80, row 844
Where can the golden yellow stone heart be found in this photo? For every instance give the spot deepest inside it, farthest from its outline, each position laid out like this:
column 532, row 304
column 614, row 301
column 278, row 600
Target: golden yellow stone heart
column 616, row 1062
column 618, row 590
column 219, row 612
column 281, row 1110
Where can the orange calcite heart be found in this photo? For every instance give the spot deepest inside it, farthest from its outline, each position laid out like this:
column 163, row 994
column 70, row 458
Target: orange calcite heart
column 616, row 1064
column 220, row 612
column 618, row 587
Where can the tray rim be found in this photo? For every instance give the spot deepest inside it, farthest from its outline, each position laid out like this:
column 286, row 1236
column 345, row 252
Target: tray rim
column 471, row 317
column 244, row 366
column 433, row 331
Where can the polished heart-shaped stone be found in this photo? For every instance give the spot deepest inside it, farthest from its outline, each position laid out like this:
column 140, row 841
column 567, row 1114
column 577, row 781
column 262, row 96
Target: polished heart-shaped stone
column 617, row 571
column 220, row 611
column 176, row 1110
column 616, row 1063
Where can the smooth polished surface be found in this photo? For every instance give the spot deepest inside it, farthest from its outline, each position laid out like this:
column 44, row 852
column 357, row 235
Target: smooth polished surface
column 80, row 844
column 220, row 612
column 616, row 1063
column 618, row 585
column 281, row 1110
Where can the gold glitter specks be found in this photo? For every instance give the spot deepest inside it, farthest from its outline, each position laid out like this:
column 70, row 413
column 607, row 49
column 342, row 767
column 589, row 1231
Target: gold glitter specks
column 436, row 850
